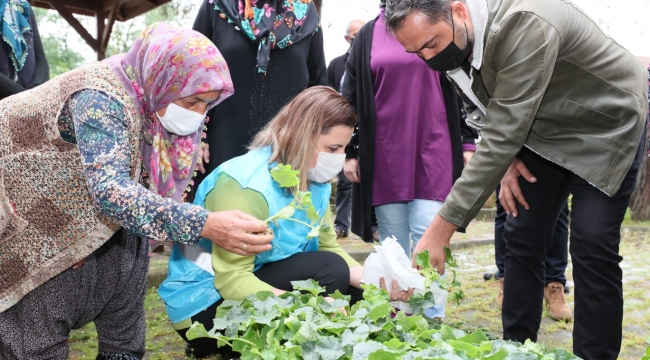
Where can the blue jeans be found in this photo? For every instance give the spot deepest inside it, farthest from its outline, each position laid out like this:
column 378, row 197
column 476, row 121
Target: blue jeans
column 405, row 221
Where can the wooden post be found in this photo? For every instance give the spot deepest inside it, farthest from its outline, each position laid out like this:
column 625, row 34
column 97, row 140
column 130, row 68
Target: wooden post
column 67, row 15
column 112, row 16
column 106, row 13
column 101, row 25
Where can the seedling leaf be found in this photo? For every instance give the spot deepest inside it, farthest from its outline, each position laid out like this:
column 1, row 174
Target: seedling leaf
column 285, row 176
column 310, row 286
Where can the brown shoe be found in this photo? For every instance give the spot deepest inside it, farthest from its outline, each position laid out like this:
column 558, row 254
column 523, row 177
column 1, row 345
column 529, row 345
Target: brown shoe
column 499, row 299
column 557, row 307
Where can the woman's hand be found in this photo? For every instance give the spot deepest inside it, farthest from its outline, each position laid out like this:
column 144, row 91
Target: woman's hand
column 395, row 293
column 80, row 263
column 204, row 157
column 467, row 155
column 277, row 292
column 330, row 299
column 351, row 170
column 237, row 232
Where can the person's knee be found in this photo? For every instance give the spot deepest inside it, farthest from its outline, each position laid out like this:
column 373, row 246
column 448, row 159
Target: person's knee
column 335, row 264
column 334, row 272
column 525, row 233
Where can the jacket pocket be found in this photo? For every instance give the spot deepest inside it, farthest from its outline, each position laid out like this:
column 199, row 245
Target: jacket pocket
column 589, row 117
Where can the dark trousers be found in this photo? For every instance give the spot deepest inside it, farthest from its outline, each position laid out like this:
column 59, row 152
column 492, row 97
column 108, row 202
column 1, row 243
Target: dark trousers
column 595, row 236
column 328, row 269
column 343, row 203
column 108, row 289
column 556, row 256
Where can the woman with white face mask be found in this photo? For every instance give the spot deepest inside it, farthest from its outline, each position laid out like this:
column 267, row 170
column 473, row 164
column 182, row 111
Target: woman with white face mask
column 93, row 164
column 310, row 134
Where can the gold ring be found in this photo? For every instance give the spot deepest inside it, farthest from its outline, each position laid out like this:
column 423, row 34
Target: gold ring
column 244, row 248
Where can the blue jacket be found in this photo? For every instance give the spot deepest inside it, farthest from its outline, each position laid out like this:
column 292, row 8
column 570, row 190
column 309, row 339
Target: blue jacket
column 189, row 287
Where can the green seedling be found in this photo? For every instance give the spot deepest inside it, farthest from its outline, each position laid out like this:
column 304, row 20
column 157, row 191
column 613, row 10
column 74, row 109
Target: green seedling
column 287, row 178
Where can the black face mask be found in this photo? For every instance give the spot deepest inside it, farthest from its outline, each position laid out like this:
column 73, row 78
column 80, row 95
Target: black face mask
column 451, row 57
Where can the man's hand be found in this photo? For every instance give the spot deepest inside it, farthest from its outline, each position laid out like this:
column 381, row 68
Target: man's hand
column 435, row 240
column 351, row 170
column 232, row 231
column 510, row 190
column 395, row 293
column 467, row 155
column 204, row 157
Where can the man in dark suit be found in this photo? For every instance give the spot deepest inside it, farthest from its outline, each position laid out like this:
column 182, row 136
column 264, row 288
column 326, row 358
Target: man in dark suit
column 335, row 74
column 336, row 68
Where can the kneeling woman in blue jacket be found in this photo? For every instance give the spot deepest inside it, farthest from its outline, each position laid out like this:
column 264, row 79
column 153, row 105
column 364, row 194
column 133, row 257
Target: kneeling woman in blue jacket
column 310, row 133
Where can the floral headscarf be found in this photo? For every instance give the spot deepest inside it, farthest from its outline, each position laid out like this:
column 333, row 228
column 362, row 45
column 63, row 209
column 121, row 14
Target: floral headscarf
column 270, row 23
column 163, row 65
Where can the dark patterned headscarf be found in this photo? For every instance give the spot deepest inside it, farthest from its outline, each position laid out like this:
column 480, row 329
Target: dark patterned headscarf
column 270, row 23
column 13, row 24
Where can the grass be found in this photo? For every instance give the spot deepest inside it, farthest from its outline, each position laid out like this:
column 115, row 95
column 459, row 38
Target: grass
column 475, row 230
column 627, row 221
column 477, row 310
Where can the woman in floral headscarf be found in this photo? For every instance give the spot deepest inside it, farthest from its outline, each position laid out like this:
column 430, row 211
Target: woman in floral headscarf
column 274, row 49
column 74, row 230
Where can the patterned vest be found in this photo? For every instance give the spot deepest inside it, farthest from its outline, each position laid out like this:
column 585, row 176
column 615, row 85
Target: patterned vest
column 47, row 218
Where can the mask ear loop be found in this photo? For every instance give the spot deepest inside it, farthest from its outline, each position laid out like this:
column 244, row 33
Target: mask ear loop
column 317, row 157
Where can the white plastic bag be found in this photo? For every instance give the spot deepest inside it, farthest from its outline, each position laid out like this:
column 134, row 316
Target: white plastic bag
column 391, row 263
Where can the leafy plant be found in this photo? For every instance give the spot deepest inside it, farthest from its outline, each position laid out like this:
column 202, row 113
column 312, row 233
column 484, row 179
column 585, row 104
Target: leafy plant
column 288, row 178
column 419, row 302
column 301, row 324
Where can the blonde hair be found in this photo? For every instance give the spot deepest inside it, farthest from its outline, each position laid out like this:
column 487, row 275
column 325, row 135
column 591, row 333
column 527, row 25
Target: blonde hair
column 293, row 133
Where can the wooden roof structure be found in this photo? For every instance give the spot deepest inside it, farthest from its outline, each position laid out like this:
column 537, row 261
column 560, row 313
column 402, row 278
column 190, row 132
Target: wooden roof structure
column 105, row 11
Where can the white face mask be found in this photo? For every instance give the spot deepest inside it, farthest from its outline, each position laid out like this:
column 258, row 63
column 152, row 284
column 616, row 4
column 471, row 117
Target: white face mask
column 180, row 121
column 327, row 167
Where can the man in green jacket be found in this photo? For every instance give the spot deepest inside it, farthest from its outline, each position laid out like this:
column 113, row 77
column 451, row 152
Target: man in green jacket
column 561, row 108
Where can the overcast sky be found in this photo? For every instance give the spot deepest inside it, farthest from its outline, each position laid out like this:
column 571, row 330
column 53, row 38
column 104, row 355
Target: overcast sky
column 627, row 21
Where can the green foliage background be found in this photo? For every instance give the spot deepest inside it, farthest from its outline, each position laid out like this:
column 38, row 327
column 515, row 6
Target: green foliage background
column 57, row 36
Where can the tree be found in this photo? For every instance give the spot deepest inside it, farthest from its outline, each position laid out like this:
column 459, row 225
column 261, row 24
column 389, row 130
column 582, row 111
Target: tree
column 60, row 57
column 178, row 13
column 57, row 34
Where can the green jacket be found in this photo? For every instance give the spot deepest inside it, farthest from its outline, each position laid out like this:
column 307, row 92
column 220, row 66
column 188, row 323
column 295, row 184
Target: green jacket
column 551, row 80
